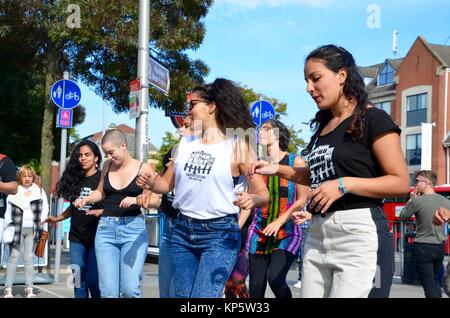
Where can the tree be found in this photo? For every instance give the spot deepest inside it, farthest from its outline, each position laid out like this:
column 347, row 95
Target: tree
column 168, row 141
column 103, row 51
column 296, row 142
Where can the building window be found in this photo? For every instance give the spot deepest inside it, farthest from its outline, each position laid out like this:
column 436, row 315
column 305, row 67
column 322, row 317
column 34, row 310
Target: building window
column 386, row 75
column 386, row 106
column 416, row 109
column 414, row 149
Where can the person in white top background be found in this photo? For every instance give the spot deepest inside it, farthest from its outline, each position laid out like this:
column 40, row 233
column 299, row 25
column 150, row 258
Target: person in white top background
column 24, row 211
column 206, row 169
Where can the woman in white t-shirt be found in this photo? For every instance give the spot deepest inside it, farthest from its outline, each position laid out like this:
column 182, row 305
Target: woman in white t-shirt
column 24, row 210
column 206, row 169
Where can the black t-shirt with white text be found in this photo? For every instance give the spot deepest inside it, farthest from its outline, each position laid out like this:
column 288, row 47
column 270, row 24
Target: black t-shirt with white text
column 83, row 227
column 336, row 155
column 7, row 174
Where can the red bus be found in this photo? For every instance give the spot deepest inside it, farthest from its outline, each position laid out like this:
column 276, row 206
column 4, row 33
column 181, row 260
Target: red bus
column 392, row 208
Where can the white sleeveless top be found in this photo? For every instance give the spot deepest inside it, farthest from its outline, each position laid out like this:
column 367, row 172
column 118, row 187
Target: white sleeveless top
column 203, row 182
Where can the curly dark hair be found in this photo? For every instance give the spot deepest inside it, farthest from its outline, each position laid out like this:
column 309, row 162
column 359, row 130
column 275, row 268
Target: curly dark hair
column 69, row 186
column 284, row 135
column 336, row 58
column 233, row 111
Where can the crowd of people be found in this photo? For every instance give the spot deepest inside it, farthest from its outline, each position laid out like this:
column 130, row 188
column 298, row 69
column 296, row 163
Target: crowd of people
column 232, row 210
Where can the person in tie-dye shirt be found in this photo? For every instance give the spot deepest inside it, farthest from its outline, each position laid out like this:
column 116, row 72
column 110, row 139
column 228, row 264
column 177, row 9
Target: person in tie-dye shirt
column 273, row 238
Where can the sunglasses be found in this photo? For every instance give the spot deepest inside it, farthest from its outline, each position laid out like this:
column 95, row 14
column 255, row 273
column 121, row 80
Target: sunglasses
column 192, row 102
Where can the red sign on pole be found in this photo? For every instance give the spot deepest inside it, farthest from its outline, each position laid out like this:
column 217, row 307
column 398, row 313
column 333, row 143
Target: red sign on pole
column 64, row 118
column 134, row 105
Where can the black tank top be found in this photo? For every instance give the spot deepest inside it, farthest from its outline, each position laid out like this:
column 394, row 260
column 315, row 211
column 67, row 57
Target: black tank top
column 113, row 197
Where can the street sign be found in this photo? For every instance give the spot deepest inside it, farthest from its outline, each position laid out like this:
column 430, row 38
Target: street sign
column 262, row 111
column 177, row 118
column 133, row 98
column 66, row 94
column 64, row 118
column 159, row 76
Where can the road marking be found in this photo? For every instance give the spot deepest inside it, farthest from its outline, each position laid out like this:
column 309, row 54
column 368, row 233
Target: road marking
column 50, row 292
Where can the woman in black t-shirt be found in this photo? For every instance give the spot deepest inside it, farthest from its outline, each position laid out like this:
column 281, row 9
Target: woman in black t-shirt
column 354, row 160
column 80, row 179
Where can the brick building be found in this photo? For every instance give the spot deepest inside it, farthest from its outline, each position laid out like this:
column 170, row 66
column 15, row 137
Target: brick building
column 416, row 90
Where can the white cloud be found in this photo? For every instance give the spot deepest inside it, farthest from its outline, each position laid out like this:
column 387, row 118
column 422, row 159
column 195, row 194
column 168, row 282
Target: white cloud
column 253, row 4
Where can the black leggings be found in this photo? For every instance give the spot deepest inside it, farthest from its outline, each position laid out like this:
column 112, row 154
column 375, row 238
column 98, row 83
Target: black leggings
column 273, row 268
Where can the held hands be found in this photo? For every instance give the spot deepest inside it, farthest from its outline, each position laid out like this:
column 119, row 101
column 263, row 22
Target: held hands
column 52, row 220
column 442, row 215
column 97, row 212
column 143, row 201
column 262, row 167
column 127, row 202
column 323, row 196
column 80, row 203
column 146, row 180
column 246, row 200
column 300, row 217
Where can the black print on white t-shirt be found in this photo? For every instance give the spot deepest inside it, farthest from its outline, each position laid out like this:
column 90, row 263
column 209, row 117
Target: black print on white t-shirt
column 321, row 165
column 199, row 165
column 84, row 193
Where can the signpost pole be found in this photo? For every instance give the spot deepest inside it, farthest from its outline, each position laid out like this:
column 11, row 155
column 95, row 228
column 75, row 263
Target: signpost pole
column 143, row 62
column 60, row 207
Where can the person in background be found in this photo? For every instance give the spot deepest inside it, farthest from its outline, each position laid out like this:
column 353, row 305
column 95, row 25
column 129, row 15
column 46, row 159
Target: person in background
column 80, row 179
column 429, row 243
column 25, row 210
column 273, row 238
column 441, row 217
column 305, row 229
column 8, row 185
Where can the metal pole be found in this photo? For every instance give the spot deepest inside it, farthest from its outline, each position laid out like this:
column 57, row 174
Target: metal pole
column 62, row 167
column 143, row 64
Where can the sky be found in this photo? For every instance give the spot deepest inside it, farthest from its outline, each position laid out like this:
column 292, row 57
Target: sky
column 262, row 44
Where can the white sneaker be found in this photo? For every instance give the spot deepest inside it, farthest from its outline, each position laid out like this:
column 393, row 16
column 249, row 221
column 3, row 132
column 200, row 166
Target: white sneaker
column 298, row 284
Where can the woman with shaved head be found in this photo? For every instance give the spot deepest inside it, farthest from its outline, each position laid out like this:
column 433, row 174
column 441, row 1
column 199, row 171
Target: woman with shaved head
column 121, row 239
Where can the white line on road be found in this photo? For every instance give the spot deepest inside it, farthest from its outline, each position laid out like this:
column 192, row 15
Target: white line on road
column 50, row 292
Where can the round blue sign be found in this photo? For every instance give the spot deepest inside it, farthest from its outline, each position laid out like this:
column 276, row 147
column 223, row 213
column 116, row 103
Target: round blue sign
column 66, row 94
column 262, row 111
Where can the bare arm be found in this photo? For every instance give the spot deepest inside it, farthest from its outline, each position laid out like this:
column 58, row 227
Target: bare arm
column 97, row 195
column 8, row 187
column 148, row 179
column 243, row 216
column 301, row 175
column 300, row 202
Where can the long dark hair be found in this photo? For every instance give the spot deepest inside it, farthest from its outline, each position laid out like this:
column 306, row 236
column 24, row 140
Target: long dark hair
column 284, row 135
column 336, row 58
column 233, row 111
column 72, row 179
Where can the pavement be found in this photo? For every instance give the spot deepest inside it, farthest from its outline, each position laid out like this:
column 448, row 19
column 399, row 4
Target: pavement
column 46, row 288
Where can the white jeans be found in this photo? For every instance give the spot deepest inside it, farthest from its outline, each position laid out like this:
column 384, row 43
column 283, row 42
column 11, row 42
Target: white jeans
column 340, row 255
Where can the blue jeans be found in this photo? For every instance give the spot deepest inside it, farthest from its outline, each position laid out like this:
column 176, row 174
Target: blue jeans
column 121, row 247
column 165, row 263
column 204, row 253
column 84, row 269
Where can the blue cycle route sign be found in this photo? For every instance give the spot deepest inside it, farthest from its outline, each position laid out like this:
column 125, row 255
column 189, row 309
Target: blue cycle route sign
column 66, row 94
column 262, row 111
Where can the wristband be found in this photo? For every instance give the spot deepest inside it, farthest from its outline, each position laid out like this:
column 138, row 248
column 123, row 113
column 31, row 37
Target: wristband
column 342, row 189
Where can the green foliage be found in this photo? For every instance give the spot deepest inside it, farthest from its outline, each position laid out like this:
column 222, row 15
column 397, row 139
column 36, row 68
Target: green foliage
column 102, row 53
column 168, row 141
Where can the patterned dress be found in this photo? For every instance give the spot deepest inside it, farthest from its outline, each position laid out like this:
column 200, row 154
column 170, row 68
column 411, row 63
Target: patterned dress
column 282, row 196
